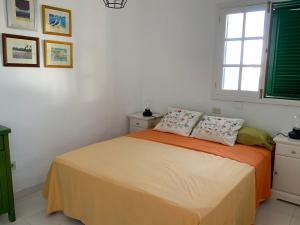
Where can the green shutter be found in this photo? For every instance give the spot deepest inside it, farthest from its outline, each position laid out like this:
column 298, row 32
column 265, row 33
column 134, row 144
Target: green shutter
column 283, row 77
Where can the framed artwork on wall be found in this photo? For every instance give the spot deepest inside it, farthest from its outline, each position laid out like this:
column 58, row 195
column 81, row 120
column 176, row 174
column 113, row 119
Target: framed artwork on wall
column 20, row 51
column 57, row 21
column 58, row 54
column 21, row 14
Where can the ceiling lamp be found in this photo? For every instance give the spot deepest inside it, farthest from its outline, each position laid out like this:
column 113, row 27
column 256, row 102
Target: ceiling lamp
column 115, row 4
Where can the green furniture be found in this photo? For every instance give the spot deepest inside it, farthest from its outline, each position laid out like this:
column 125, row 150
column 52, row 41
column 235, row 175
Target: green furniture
column 6, row 188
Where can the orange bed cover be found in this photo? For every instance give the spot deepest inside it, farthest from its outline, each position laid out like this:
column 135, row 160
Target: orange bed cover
column 254, row 156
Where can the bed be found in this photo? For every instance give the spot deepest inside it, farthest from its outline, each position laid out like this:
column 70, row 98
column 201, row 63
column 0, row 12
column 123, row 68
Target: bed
column 156, row 178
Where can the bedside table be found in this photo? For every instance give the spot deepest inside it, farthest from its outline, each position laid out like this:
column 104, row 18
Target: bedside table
column 286, row 183
column 138, row 122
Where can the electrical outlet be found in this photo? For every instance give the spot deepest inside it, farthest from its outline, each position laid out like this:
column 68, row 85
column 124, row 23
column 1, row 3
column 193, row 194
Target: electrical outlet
column 14, row 165
column 216, row 110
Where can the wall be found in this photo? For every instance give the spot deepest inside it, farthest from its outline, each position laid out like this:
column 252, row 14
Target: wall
column 52, row 111
column 152, row 50
column 177, row 63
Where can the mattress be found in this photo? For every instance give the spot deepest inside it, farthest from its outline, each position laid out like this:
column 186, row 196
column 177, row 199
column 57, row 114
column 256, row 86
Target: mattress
column 131, row 181
column 258, row 157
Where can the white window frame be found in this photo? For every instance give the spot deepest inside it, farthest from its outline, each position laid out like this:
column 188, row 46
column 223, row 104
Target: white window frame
column 239, row 95
column 217, row 92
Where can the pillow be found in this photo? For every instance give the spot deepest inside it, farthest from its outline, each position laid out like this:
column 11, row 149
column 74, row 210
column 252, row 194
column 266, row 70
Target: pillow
column 178, row 121
column 254, row 136
column 218, row 129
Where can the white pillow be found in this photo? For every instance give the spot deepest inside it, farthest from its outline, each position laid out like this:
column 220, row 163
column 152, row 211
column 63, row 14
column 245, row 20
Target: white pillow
column 218, row 129
column 178, row 121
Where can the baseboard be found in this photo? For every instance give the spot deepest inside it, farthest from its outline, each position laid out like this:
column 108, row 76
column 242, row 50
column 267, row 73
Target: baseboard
column 28, row 191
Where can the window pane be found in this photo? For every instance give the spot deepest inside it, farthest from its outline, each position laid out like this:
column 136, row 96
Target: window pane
column 250, row 78
column 255, row 22
column 231, row 78
column 234, row 25
column 253, row 52
column 233, row 52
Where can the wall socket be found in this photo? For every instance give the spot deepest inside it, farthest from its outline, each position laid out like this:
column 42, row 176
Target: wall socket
column 13, row 165
column 216, row 110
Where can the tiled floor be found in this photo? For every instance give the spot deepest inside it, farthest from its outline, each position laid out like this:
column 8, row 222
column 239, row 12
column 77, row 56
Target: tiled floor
column 31, row 211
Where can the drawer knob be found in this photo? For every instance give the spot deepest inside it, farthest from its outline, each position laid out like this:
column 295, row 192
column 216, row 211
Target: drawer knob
column 276, row 173
column 137, row 124
column 294, row 152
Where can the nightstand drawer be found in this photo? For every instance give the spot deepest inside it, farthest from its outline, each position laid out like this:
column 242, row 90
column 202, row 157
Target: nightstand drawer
column 139, row 123
column 1, row 143
column 288, row 150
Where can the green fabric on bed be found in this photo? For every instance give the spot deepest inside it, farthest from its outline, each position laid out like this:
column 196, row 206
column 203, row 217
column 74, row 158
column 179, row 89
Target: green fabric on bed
column 254, row 136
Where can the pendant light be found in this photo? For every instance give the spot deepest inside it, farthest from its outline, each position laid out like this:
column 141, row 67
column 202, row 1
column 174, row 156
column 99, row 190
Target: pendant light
column 115, row 4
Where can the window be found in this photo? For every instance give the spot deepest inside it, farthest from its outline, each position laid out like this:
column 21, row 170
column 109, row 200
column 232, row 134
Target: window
column 243, row 47
column 283, row 79
column 243, row 51
column 251, row 69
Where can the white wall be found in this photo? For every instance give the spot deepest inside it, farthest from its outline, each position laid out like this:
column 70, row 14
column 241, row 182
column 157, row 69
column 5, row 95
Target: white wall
column 51, row 111
column 152, row 50
column 177, row 63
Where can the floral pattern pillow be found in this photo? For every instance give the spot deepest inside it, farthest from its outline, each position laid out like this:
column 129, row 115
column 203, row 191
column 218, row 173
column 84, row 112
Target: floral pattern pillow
column 178, row 121
column 218, row 129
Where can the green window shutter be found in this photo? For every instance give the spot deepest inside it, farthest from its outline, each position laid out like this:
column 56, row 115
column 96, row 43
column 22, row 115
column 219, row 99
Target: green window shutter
column 283, row 77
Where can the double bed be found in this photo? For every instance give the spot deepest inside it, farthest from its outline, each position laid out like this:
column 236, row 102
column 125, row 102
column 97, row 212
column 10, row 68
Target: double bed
column 156, row 178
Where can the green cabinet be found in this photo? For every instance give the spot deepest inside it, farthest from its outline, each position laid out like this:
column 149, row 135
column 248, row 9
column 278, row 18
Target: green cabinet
column 6, row 188
column 3, row 186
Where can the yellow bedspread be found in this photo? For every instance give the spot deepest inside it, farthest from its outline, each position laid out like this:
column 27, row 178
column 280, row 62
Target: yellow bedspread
column 128, row 181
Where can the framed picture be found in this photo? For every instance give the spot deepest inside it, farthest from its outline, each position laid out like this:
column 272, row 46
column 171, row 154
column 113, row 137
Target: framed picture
column 58, row 54
column 20, row 51
column 21, row 14
column 57, row 21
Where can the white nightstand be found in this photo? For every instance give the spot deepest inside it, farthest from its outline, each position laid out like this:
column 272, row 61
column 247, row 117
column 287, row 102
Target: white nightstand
column 138, row 122
column 286, row 182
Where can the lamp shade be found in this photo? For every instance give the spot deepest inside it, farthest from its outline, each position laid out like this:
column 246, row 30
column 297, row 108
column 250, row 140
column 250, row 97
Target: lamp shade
column 115, row 4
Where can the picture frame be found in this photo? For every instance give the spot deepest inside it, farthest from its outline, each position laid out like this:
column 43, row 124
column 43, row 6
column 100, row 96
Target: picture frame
column 58, row 54
column 57, row 21
column 22, row 14
column 20, row 51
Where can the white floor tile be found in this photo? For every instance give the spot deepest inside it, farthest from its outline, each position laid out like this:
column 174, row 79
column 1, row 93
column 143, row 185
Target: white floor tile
column 277, row 206
column 69, row 221
column 4, row 221
column 295, row 221
column 31, row 210
column 30, row 205
column 42, row 218
column 272, row 218
column 297, row 213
